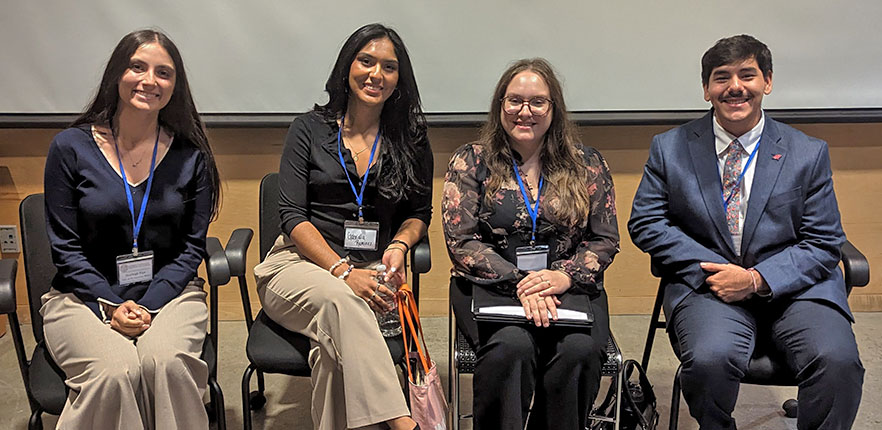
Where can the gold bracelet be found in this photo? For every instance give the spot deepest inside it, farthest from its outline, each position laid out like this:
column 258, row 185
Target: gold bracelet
column 406, row 246
column 404, row 251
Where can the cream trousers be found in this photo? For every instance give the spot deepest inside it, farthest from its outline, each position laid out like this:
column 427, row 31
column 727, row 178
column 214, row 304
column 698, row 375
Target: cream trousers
column 155, row 381
column 353, row 377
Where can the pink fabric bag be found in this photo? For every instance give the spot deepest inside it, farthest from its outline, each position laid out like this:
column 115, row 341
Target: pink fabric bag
column 428, row 407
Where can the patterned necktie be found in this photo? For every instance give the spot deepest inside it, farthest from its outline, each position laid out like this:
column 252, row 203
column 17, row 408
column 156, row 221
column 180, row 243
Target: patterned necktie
column 731, row 187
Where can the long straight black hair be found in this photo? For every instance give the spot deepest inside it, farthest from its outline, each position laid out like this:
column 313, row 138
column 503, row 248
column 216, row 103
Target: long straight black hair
column 402, row 122
column 179, row 115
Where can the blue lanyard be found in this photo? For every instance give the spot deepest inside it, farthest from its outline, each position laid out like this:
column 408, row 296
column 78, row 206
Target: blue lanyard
column 122, row 171
column 359, row 196
column 532, row 210
column 725, row 199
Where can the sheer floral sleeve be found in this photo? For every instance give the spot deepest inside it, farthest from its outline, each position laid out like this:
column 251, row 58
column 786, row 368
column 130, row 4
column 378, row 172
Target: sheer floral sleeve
column 600, row 238
column 461, row 203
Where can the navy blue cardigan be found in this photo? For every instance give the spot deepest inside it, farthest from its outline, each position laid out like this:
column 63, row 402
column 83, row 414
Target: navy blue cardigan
column 89, row 222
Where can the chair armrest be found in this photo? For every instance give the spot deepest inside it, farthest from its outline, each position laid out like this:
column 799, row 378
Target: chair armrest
column 237, row 252
column 8, row 267
column 237, row 248
column 421, row 256
column 654, row 269
column 216, row 263
column 855, row 265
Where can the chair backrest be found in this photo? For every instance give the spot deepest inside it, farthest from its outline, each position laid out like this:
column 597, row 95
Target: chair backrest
column 38, row 265
column 269, row 213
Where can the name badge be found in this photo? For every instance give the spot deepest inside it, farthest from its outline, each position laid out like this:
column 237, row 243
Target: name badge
column 360, row 235
column 532, row 258
column 134, row 268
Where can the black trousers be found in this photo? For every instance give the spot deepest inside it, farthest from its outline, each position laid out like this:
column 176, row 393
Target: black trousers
column 716, row 341
column 558, row 368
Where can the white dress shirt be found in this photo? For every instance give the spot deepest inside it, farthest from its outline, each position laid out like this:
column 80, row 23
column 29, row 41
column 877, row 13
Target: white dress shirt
column 748, row 141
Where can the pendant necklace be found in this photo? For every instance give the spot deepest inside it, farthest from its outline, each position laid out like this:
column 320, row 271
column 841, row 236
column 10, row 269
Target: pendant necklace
column 355, row 154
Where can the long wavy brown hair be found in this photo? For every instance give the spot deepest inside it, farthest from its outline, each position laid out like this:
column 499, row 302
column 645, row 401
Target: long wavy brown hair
column 562, row 164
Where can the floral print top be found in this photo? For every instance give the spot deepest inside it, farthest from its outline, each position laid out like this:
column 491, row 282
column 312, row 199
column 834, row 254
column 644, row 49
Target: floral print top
column 481, row 240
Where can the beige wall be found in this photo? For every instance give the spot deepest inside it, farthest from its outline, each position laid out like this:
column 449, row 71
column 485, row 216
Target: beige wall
column 245, row 155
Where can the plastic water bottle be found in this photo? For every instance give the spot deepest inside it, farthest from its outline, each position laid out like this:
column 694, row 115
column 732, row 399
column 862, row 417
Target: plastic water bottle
column 390, row 325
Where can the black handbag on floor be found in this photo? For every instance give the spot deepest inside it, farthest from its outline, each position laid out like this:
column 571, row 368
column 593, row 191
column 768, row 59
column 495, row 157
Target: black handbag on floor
column 638, row 402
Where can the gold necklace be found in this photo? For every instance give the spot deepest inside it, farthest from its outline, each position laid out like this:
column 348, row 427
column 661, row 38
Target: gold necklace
column 356, row 153
column 136, row 163
column 143, row 152
column 140, row 159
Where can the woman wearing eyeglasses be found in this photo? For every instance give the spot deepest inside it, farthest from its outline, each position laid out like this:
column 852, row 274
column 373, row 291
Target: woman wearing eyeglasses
column 529, row 213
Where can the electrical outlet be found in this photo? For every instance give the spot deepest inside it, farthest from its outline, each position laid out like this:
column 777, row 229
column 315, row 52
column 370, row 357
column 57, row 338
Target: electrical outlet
column 9, row 239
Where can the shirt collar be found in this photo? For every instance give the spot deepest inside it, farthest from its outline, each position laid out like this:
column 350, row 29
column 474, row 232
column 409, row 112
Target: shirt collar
column 748, row 140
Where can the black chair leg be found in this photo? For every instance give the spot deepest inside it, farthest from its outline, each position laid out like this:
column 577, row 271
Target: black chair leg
column 36, row 421
column 246, row 398
column 260, row 385
column 217, row 404
column 650, row 335
column 210, row 407
column 675, row 401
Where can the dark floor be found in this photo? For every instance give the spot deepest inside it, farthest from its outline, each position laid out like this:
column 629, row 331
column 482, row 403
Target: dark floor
column 288, row 398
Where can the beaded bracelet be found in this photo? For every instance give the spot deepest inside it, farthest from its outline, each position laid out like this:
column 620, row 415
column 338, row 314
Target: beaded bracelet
column 338, row 263
column 345, row 273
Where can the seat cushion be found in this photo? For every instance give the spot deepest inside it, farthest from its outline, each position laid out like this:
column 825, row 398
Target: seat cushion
column 766, row 369
column 273, row 349
column 46, row 381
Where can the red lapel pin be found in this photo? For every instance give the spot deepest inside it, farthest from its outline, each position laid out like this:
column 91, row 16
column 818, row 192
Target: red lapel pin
column 776, row 157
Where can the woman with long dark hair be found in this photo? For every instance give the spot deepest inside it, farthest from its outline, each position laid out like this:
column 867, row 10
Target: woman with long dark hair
column 529, row 213
column 130, row 189
column 355, row 191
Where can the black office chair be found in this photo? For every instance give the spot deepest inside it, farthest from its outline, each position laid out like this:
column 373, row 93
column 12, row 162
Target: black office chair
column 43, row 379
column 270, row 347
column 765, row 367
column 462, row 360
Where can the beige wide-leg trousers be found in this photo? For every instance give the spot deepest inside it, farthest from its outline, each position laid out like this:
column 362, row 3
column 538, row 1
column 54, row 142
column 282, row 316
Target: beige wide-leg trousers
column 354, row 379
column 155, row 381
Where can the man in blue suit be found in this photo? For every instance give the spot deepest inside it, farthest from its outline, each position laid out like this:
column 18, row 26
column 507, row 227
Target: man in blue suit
column 738, row 212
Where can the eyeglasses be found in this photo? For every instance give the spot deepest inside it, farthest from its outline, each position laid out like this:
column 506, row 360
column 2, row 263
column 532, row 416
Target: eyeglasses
column 539, row 106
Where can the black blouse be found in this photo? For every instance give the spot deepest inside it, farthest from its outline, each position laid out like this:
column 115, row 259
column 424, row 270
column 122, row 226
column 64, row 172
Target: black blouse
column 313, row 187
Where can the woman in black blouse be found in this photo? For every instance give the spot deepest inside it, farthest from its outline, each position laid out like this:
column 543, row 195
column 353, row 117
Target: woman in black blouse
column 130, row 190
column 355, row 190
column 528, row 150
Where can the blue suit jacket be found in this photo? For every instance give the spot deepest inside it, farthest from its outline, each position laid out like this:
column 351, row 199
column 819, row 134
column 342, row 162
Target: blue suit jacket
column 791, row 235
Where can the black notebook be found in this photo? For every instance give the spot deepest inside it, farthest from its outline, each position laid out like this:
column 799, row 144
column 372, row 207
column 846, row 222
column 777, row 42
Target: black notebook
column 489, row 306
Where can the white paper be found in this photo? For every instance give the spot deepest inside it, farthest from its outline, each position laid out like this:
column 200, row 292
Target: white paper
column 562, row 314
